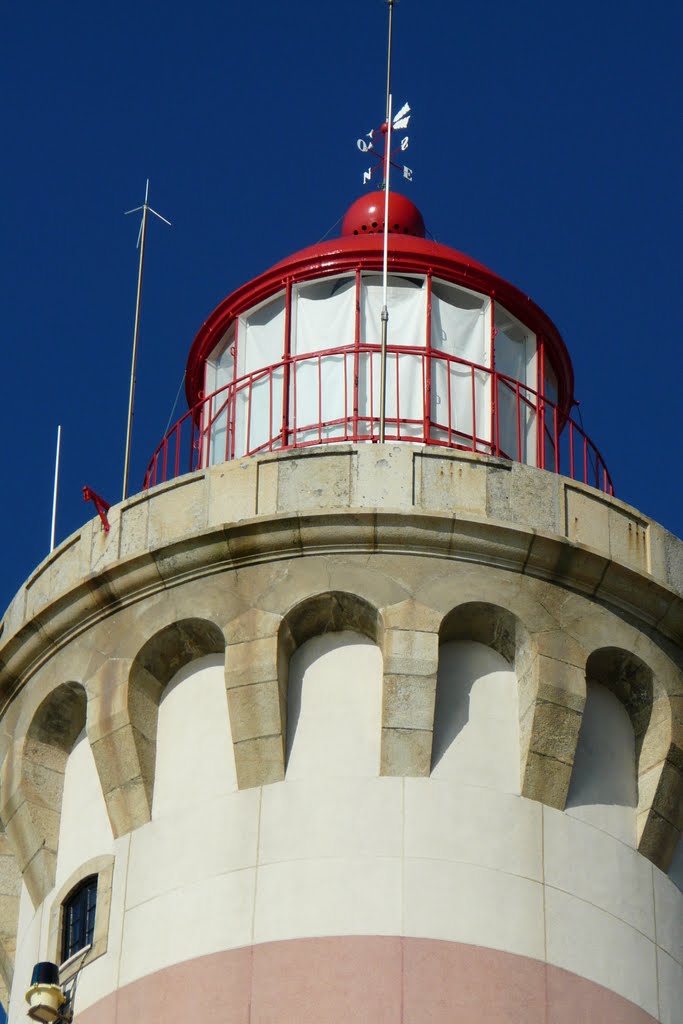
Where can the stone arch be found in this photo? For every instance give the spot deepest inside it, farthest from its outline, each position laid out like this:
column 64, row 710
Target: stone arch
column 260, row 645
column 337, row 669
column 500, row 641
column 658, row 737
column 10, row 892
column 126, row 696
column 33, row 785
column 486, row 624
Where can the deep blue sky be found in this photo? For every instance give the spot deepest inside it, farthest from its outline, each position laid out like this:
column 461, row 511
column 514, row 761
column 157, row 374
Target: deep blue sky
column 546, row 142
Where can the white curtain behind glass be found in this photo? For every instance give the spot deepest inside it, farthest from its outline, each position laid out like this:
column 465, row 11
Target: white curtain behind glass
column 460, row 395
column 515, row 348
column 407, row 305
column 220, row 369
column 261, row 342
column 321, row 390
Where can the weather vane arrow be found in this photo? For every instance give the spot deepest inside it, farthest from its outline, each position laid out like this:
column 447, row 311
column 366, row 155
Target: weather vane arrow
column 399, row 122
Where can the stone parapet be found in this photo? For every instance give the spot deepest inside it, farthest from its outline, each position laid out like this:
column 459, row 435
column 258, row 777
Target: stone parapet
column 367, row 498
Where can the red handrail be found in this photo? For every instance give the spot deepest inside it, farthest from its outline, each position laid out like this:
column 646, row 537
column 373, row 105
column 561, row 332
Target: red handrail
column 524, row 425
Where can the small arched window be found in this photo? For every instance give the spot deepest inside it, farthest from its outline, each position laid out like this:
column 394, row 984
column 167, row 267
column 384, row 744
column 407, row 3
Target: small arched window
column 78, row 917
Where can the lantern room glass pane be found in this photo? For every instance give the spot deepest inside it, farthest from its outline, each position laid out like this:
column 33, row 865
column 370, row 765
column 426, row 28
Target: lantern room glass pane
column 321, row 390
column 220, row 371
column 258, row 398
column 407, row 305
column 515, row 355
column 460, row 393
column 459, row 323
column 407, row 326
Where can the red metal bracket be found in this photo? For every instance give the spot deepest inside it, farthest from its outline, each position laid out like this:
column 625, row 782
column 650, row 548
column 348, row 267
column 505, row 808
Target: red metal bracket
column 101, row 505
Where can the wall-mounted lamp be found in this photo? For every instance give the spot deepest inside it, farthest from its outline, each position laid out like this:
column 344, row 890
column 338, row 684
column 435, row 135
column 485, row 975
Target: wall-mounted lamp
column 47, row 1001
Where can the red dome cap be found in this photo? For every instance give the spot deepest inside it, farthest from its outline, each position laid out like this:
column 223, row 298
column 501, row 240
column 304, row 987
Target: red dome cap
column 366, row 216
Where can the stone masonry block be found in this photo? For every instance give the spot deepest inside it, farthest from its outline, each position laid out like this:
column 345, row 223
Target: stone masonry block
column 254, row 624
column 554, row 731
column 408, row 702
column 255, row 711
column 129, row 806
column 657, row 839
column 411, row 615
column 379, row 477
column 546, row 780
column 318, row 480
column 39, row 875
column 178, row 510
column 453, row 484
column 587, row 518
column 406, row 752
column 254, row 661
column 410, row 652
column 629, row 541
column 232, row 492
column 260, row 761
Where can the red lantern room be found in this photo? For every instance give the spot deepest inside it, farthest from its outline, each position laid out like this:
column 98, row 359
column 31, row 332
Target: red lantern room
column 292, row 358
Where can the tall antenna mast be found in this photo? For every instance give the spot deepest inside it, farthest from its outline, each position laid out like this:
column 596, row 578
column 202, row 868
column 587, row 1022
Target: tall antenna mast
column 142, row 237
column 385, row 260
column 55, row 489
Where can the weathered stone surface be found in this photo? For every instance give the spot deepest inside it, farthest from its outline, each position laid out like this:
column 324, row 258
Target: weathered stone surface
column 255, row 711
column 443, row 481
column 392, row 541
column 408, row 702
column 410, row 652
column 546, row 780
column 406, row 752
column 232, row 494
column 260, row 761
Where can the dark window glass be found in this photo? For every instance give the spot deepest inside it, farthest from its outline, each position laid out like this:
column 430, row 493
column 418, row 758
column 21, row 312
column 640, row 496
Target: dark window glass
column 79, row 917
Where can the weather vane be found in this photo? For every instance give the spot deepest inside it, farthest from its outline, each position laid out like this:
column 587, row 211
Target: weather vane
column 366, row 144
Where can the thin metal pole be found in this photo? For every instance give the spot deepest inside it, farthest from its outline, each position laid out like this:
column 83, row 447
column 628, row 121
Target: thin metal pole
column 55, row 489
column 389, row 48
column 385, row 266
column 136, row 333
column 146, row 208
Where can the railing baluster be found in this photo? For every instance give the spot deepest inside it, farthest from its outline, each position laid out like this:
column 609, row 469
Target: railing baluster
column 201, row 425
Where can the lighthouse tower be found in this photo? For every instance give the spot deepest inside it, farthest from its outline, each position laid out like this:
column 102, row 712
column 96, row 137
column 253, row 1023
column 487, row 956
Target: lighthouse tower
column 318, row 728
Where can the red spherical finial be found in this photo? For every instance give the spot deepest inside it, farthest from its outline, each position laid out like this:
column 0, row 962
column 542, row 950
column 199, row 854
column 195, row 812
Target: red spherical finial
column 366, row 216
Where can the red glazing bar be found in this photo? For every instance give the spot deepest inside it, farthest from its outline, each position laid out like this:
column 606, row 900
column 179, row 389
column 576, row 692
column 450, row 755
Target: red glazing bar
column 398, row 400
column 250, row 390
column 294, row 428
column 372, row 392
column 427, row 372
column 345, row 431
column 356, row 357
column 474, row 413
column 286, row 366
column 449, row 392
column 493, row 380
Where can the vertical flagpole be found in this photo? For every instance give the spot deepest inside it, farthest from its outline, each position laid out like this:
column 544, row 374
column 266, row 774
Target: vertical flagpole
column 55, row 489
column 146, row 208
column 385, row 309
column 136, row 333
column 385, row 270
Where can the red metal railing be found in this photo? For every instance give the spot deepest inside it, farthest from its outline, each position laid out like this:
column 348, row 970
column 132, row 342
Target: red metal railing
column 332, row 396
